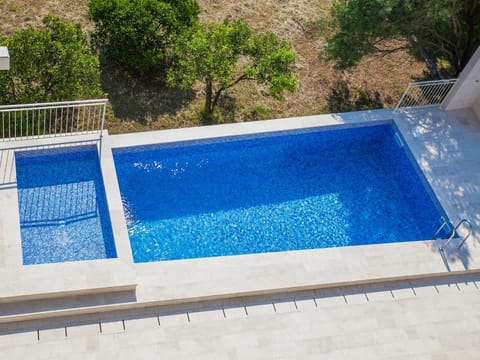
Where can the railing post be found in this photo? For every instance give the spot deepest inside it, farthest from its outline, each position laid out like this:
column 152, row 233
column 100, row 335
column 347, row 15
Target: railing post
column 103, row 118
column 407, row 90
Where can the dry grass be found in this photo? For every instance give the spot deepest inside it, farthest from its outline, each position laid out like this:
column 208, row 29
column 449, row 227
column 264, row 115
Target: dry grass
column 18, row 14
column 146, row 104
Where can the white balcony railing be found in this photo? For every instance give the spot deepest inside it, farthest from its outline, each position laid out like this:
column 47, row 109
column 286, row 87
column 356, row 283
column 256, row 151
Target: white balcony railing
column 31, row 121
column 425, row 93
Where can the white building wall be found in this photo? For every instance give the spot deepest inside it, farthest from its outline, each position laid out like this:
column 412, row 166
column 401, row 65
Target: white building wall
column 466, row 92
column 4, row 58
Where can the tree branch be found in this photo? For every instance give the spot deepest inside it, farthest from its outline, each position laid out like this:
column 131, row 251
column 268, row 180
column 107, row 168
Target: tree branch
column 385, row 52
column 223, row 88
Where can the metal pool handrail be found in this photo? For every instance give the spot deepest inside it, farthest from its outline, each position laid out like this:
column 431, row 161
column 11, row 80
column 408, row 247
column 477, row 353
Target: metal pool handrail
column 445, row 223
column 31, row 121
column 454, row 231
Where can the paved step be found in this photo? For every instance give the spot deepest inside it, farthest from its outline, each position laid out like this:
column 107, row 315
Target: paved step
column 107, row 306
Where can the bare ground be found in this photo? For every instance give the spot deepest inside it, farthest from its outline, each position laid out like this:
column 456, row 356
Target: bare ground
column 139, row 105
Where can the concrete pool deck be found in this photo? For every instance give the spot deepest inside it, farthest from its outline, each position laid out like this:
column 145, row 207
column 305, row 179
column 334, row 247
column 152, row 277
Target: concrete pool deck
column 446, row 146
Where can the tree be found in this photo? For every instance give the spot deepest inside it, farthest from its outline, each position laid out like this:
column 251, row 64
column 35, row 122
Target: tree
column 137, row 34
column 49, row 64
column 447, row 30
column 222, row 55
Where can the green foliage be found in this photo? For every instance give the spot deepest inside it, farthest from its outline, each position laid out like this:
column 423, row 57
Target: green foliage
column 49, row 64
column 343, row 99
column 432, row 29
column 222, row 55
column 258, row 112
column 137, row 34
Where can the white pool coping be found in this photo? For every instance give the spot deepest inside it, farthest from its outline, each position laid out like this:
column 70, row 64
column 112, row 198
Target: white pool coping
column 444, row 146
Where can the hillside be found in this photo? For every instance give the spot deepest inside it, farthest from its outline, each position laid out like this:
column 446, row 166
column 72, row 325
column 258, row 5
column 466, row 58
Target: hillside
column 143, row 104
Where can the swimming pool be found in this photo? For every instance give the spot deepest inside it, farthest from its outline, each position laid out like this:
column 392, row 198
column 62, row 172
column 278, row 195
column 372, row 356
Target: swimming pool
column 273, row 192
column 63, row 209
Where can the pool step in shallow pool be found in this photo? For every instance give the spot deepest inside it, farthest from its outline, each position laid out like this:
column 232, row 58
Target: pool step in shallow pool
column 63, row 209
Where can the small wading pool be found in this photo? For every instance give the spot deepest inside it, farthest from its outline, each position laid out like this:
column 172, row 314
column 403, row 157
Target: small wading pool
column 63, row 208
column 273, row 192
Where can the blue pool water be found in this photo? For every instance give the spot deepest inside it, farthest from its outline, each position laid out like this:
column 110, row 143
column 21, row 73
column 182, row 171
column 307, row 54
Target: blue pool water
column 62, row 203
column 287, row 191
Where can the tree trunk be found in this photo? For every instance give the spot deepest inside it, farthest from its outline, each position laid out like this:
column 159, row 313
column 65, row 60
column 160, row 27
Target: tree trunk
column 431, row 63
column 208, row 95
column 470, row 17
column 217, row 97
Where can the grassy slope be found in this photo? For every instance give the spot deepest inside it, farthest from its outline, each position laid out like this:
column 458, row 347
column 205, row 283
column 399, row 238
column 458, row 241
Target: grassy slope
column 145, row 104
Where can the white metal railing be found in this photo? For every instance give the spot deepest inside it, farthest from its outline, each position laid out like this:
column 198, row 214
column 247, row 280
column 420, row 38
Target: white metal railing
column 31, row 121
column 425, row 93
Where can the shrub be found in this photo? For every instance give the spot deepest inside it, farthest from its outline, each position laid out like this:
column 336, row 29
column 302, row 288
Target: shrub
column 137, row 34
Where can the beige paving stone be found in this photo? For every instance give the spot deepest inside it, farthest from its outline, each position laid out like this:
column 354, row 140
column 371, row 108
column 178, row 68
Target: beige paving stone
column 237, row 312
column 145, row 323
column 19, row 338
column 406, row 319
column 245, row 338
column 468, row 286
column 220, row 355
column 447, row 288
column 305, row 304
column 355, row 325
column 388, row 335
column 421, row 330
column 330, row 301
column 383, row 295
column 52, row 334
column 437, row 356
column 110, row 327
column 425, row 291
column 151, row 353
column 412, row 347
column 360, row 298
column 173, row 319
column 284, row 306
column 77, row 347
column 147, row 337
column 462, row 354
column 320, row 344
column 19, row 352
column 196, row 344
column 260, row 309
column 362, row 338
column 403, row 293
column 83, row 330
column 206, row 315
